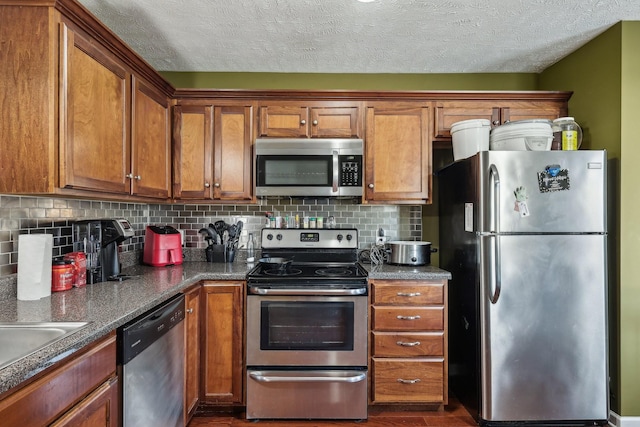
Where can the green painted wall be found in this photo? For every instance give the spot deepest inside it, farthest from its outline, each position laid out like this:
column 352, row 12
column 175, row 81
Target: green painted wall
column 606, row 102
column 303, row 81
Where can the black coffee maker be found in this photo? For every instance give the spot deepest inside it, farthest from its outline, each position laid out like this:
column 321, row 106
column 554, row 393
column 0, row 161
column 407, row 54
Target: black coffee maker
column 99, row 239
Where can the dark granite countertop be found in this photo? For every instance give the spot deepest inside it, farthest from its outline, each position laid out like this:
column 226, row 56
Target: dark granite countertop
column 109, row 305
column 406, row 272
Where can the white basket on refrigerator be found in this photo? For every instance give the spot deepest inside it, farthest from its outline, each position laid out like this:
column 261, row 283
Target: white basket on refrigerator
column 521, row 135
column 469, row 136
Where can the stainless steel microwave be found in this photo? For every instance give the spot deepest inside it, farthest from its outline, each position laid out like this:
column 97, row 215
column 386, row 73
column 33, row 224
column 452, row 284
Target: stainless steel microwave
column 309, row 167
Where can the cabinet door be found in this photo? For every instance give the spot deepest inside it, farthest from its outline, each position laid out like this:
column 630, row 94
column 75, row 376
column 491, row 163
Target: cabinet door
column 232, row 157
column 335, row 122
column 94, row 117
column 223, row 351
column 450, row 112
column 398, row 152
column 99, row 409
column 150, row 142
column 192, row 352
column 527, row 110
column 284, row 121
column 192, row 152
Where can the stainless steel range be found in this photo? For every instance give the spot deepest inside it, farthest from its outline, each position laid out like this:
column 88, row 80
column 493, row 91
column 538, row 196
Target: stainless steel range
column 307, row 327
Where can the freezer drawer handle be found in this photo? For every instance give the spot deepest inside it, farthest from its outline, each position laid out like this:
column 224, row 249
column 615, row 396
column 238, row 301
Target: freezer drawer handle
column 408, row 294
column 400, row 380
column 408, row 344
column 401, row 317
column 285, row 379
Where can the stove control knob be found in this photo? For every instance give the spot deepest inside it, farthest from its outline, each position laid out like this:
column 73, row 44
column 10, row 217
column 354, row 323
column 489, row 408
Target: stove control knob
column 349, row 237
column 339, row 236
column 269, row 236
column 279, row 237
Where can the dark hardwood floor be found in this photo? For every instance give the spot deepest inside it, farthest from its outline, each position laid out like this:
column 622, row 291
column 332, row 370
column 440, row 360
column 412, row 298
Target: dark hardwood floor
column 453, row 415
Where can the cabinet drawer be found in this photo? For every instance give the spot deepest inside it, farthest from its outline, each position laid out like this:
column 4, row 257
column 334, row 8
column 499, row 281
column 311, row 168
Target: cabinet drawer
column 398, row 344
column 408, row 380
column 407, row 293
column 407, row 318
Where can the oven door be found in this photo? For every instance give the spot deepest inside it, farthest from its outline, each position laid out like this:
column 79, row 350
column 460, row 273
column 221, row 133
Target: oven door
column 311, row 330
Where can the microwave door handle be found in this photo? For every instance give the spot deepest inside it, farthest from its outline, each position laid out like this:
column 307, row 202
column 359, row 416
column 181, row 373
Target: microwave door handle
column 335, row 170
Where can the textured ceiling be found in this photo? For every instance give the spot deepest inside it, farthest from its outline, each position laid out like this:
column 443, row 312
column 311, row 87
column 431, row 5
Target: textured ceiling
column 347, row 36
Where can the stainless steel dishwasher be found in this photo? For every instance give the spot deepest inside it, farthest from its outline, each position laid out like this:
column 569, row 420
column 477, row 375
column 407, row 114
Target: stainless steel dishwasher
column 151, row 367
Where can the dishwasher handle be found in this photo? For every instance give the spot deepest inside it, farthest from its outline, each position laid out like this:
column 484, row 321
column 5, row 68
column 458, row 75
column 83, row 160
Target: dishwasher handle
column 135, row 336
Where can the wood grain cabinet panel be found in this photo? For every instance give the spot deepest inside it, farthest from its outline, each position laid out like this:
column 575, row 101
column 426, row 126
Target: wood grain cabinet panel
column 319, row 119
column 408, row 342
column 497, row 111
column 94, row 117
column 398, row 153
column 212, row 158
column 79, row 391
column 223, row 348
column 192, row 352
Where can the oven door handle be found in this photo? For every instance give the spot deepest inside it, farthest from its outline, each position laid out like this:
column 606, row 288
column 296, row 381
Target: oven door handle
column 274, row 378
column 315, row 291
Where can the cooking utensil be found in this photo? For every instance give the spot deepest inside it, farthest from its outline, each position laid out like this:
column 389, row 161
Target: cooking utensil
column 410, row 253
column 220, row 227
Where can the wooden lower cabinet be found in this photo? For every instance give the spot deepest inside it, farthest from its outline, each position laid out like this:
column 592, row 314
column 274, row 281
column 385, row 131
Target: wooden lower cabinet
column 192, row 352
column 408, row 342
column 223, row 343
column 79, row 391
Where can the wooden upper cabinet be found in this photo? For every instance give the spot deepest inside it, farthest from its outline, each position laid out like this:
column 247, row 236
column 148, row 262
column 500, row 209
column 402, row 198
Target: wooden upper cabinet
column 498, row 111
column 212, row 157
column 150, row 142
column 398, row 152
column 321, row 120
column 94, row 117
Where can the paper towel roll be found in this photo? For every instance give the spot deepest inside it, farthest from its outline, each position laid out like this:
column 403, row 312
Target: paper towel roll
column 34, row 266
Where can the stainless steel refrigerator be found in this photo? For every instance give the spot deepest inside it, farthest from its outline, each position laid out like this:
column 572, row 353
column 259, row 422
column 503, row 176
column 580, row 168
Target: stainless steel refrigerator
column 524, row 234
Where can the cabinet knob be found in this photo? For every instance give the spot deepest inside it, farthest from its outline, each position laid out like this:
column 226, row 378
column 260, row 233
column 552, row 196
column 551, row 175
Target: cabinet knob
column 370, row 185
column 506, row 121
column 217, row 185
column 138, row 177
column 189, row 310
column 129, row 175
column 496, row 122
column 303, row 122
column 315, row 123
column 207, row 185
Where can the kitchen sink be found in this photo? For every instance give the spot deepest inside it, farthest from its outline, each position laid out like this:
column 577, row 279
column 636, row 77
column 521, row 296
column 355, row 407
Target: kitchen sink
column 20, row 339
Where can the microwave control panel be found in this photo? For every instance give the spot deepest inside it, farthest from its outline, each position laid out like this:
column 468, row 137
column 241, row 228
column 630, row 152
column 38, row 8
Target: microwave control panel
column 350, row 171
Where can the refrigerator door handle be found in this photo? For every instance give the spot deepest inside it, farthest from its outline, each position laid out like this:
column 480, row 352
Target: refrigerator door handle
column 494, row 179
column 494, row 197
column 497, row 275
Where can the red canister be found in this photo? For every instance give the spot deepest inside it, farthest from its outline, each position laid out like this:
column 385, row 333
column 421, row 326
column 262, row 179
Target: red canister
column 61, row 276
column 79, row 262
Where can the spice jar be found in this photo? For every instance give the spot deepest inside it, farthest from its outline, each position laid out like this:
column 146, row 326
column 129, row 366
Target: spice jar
column 569, row 132
column 61, row 275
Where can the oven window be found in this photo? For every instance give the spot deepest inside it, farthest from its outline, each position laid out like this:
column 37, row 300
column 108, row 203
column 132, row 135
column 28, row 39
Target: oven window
column 306, row 326
column 295, row 171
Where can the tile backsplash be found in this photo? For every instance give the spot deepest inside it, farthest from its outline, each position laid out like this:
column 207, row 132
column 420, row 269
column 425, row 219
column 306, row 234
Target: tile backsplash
column 27, row 214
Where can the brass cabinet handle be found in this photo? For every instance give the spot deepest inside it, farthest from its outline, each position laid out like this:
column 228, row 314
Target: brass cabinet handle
column 408, row 294
column 400, row 317
column 408, row 344
column 417, row 380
